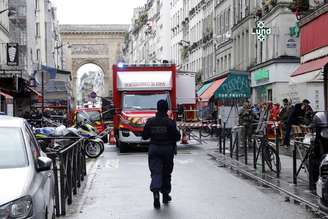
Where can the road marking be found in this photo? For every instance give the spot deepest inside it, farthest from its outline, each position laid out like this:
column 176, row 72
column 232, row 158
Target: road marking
column 113, row 164
column 185, row 161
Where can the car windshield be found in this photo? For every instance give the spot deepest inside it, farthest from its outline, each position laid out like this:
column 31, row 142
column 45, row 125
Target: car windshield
column 143, row 101
column 12, row 148
column 90, row 116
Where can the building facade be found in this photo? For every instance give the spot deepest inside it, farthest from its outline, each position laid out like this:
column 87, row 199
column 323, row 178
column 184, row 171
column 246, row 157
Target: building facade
column 307, row 80
column 276, row 54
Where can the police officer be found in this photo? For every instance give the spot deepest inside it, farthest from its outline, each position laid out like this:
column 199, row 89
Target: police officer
column 163, row 135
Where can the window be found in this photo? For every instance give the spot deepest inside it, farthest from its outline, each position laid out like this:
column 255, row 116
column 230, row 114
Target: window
column 12, row 148
column 36, row 152
column 38, row 54
column 37, row 29
column 36, row 4
column 269, row 94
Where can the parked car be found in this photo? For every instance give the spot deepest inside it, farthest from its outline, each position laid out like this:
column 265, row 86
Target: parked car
column 27, row 181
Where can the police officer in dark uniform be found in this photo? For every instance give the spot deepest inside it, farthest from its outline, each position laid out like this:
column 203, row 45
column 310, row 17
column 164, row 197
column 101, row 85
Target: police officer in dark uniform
column 163, row 135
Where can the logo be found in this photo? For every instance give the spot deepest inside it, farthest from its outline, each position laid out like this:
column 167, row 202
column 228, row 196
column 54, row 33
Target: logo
column 261, row 31
column 12, row 54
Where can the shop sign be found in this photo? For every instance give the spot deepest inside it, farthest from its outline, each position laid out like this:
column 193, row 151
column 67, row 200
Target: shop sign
column 262, row 74
column 294, row 31
column 261, row 31
column 235, row 86
column 12, row 54
column 291, row 44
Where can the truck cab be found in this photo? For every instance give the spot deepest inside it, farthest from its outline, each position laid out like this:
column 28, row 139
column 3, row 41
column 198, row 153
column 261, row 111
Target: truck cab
column 136, row 91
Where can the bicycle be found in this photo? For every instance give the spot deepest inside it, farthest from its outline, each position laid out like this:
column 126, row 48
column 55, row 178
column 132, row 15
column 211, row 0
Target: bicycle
column 208, row 128
column 269, row 153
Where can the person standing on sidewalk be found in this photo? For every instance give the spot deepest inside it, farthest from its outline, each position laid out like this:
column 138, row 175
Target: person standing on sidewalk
column 296, row 117
column 163, row 134
column 246, row 119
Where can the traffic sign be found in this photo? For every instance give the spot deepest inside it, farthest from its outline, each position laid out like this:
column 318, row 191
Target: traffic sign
column 93, row 95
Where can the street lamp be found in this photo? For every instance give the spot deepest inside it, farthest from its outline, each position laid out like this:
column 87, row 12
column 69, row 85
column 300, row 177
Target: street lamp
column 11, row 11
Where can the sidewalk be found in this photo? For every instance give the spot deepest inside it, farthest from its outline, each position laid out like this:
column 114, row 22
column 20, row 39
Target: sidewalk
column 300, row 192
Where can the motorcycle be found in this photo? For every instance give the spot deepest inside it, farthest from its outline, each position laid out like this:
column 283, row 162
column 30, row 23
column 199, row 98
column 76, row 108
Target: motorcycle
column 93, row 147
column 319, row 158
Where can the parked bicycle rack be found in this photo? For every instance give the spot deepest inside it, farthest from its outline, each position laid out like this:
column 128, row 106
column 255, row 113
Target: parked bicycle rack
column 69, row 166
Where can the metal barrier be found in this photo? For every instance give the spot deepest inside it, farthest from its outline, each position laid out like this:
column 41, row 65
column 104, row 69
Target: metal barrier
column 69, row 166
column 304, row 158
column 258, row 143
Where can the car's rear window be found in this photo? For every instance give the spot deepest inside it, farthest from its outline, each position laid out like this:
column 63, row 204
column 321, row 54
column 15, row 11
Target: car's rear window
column 12, row 148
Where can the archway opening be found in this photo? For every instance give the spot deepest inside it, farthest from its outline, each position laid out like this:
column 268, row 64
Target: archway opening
column 89, row 85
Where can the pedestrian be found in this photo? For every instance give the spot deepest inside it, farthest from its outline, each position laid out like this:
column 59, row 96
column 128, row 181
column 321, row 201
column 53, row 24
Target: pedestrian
column 296, row 117
column 275, row 112
column 246, row 119
column 284, row 113
column 163, row 134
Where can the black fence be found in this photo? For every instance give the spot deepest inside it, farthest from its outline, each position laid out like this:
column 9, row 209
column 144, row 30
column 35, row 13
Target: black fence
column 69, row 166
column 262, row 151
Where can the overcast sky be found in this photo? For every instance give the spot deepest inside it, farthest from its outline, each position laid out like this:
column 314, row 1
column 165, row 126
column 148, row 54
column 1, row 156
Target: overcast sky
column 96, row 11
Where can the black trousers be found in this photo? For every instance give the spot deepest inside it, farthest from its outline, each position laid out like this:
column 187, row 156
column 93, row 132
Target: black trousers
column 160, row 161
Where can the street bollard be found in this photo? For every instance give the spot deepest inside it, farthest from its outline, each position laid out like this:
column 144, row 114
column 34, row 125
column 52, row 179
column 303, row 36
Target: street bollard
column 223, row 133
column 245, row 143
column 220, row 146
column 294, row 164
column 237, row 146
column 254, row 152
column 277, row 150
column 262, row 156
column 231, row 143
column 220, row 140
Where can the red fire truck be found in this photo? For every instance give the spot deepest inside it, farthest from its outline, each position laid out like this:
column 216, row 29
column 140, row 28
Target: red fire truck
column 136, row 90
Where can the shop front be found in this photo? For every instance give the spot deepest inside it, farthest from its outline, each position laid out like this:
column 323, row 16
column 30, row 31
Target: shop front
column 270, row 82
column 205, row 103
column 230, row 97
column 307, row 80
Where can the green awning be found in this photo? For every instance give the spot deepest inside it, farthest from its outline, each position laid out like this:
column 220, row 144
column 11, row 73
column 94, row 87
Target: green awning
column 203, row 88
column 236, row 86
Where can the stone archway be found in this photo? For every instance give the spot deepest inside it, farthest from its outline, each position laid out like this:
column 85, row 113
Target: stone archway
column 90, row 78
column 97, row 44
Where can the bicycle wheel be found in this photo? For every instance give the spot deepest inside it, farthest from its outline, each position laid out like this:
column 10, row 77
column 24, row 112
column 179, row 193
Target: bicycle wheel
column 205, row 131
column 272, row 159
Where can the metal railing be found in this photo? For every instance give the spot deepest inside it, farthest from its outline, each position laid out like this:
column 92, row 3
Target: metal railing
column 264, row 151
column 69, row 166
column 304, row 157
column 260, row 146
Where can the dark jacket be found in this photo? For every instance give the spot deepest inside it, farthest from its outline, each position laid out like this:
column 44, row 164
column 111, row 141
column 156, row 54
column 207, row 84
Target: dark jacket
column 284, row 113
column 296, row 115
column 246, row 117
column 161, row 130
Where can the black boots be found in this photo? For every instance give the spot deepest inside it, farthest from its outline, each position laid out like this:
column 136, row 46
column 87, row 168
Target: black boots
column 166, row 198
column 157, row 204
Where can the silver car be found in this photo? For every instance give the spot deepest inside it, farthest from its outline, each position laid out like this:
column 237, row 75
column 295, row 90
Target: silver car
column 26, row 178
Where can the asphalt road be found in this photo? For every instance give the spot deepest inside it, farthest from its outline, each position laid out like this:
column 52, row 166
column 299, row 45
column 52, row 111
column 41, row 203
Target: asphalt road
column 118, row 187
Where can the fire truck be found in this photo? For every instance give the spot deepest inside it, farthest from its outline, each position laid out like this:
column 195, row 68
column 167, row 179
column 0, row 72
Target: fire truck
column 136, row 91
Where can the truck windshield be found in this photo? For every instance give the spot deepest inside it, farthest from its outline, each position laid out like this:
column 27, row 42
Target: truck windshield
column 143, row 101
